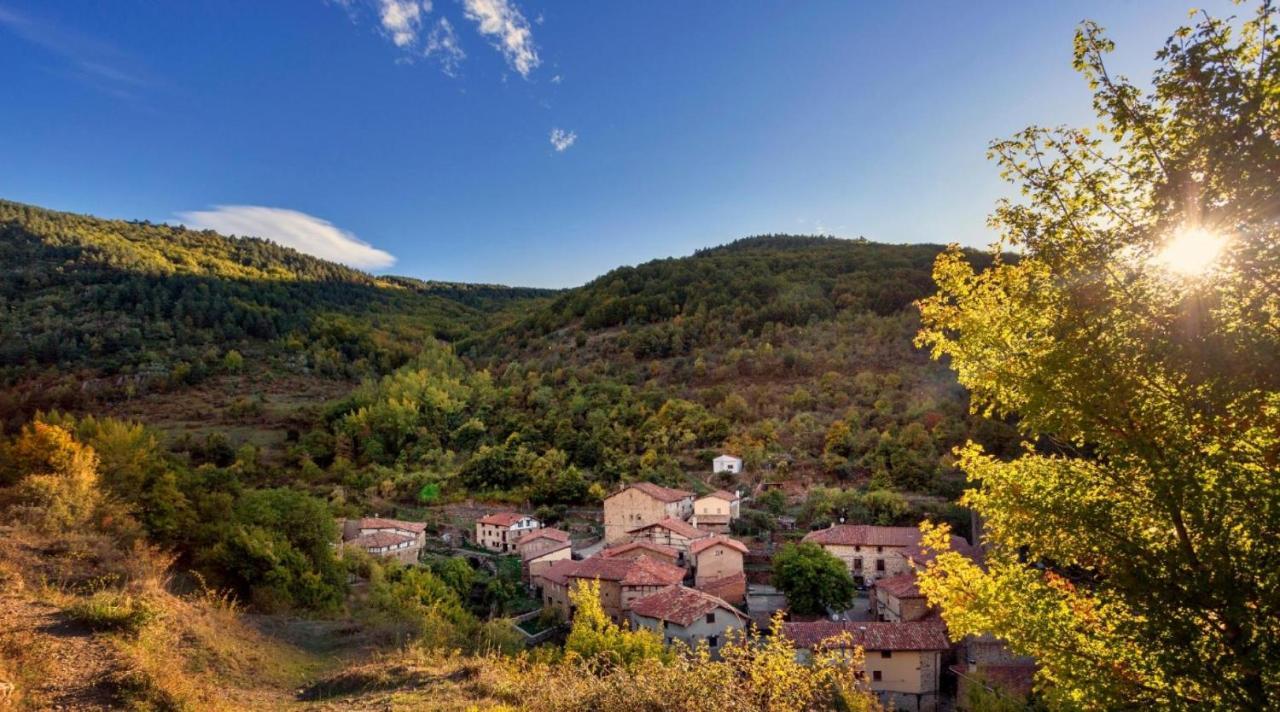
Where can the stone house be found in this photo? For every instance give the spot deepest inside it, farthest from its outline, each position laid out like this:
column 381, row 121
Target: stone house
column 674, row 533
column 387, row 538
column 640, row 504
column 903, row 661
column 622, row 580
column 499, row 532
column 715, row 557
column 713, row 512
column 551, row 585
column 874, row 552
column 540, row 547
column 636, row 549
column 898, row 598
column 688, row 615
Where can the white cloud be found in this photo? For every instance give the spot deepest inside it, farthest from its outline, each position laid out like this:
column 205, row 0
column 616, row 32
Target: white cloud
column 509, row 31
column 401, row 19
column 443, row 44
column 304, row 233
column 561, row 140
column 556, row 79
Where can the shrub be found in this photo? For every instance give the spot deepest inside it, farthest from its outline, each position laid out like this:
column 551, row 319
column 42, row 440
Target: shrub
column 113, row 611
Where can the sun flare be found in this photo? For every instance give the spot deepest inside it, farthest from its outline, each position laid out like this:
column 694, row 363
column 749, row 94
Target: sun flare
column 1191, row 251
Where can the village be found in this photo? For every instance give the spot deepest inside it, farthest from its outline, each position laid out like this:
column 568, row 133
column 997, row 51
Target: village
column 668, row 560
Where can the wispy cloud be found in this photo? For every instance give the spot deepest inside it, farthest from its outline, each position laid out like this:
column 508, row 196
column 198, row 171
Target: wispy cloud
column 401, row 20
column 505, row 26
column 291, row 228
column 443, row 44
column 561, row 140
column 87, row 59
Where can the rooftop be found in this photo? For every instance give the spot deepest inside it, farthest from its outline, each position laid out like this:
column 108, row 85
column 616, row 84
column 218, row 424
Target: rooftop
column 642, row 546
column 379, row 540
column 381, row 523
column 544, row 533
column 708, row 542
column 641, row 571
column 865, row 535
column 722, row 494
column 900, row 586
column 665, row 494
column 560, row 571
column 502, row 519
column 681, row 606
column 926, row 635
column 676, row 526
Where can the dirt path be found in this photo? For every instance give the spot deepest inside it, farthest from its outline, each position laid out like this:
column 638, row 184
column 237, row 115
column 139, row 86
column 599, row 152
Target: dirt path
column 58, row 665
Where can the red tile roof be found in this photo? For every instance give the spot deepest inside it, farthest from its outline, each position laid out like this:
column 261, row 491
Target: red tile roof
column 708, row 542
column 544, row 533
column 502, row 519
column 641, row 571
column 681, row 606
column 559, row 571
column 664, row 494
column 732, row 587
column 871, row 635
column 643, row 546
column 378, row 540
column 722, row 494
column 865, row 535
column 676, row 526
column 900, row 586
column 380, row 523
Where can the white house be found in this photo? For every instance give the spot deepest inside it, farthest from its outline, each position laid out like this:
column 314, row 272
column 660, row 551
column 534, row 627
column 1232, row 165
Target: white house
column 727, row 463
column 499, row 532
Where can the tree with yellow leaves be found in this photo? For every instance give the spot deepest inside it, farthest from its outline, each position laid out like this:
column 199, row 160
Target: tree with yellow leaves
column 1134, row 547
column 56, row 477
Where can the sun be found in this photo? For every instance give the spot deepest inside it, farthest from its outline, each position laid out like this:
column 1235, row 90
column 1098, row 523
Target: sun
column 1191, row 251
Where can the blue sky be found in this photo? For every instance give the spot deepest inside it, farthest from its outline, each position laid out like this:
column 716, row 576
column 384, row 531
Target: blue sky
column 539, row 143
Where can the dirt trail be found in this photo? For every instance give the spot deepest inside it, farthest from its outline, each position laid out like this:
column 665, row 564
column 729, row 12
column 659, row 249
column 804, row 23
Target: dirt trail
column 58, row 665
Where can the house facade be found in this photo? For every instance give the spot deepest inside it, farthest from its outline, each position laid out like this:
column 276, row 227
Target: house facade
column 713, row 512
column 690, row 616
column 871, row 552
column 674, row 533
column 903, row 661
column 727, row 463
column 640, row 504
column 551, row 584
column 898, row 599
column 715, row 557
column 386, row 538
column 542, row 546
column 622, row 581
column 500, row 532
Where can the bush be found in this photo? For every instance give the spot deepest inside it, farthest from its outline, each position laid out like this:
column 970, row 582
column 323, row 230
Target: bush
column 113, row 611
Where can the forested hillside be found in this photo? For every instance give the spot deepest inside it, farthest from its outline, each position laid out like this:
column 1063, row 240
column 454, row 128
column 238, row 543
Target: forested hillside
column 96, row 309
column 378, row 392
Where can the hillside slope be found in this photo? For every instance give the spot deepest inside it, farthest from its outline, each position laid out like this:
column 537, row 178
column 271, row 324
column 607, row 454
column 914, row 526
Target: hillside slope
column 96, row 309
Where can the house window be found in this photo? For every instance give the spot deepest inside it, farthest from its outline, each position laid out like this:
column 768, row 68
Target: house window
column 875, row 675
column 711, row 617
column 713, row 641
column 879, row 564
column 886, row 653
column 857, row 564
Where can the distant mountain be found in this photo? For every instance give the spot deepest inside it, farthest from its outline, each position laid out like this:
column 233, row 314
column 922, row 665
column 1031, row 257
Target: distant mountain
column 161, row 304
